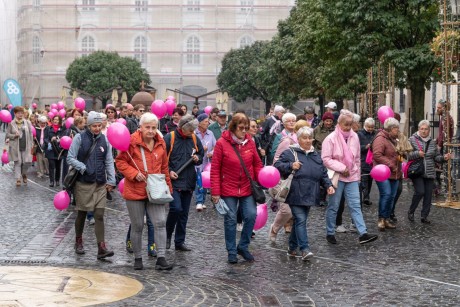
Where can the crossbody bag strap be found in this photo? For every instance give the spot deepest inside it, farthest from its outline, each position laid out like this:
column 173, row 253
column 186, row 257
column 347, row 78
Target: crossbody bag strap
column 89, row 152
column 296, row 158
column 241, row 161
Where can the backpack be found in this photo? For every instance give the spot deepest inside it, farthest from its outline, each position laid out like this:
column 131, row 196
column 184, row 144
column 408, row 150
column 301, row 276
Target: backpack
column 172, row 142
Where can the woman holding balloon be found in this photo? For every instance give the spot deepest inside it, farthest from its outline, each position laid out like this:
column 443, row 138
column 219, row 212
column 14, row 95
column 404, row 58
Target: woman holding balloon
column 310, row 174
column 19, row 133
column 229, row 182
column 385, row 153
column 53, row 150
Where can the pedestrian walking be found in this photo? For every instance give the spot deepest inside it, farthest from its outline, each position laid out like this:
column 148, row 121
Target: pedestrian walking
column 53, row 150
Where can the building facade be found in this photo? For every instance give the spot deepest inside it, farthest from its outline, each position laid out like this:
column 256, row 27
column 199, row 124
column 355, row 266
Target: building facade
column 181, row 43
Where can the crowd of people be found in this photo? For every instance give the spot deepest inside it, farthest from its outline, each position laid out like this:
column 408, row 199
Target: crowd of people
column 326, row 156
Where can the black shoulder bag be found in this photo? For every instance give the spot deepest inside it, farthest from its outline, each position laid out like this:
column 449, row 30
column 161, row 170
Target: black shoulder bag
column 257, row 191
column 72, row 174
column 417, row 167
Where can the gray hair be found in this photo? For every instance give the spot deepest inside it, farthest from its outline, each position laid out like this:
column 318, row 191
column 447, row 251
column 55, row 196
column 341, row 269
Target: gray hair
column 390, row 122
column 148, row 118
column 369, row 122
column 424, row 122
column 356, row 118
column 287, row 117
column 304, row 131
column 344, row 114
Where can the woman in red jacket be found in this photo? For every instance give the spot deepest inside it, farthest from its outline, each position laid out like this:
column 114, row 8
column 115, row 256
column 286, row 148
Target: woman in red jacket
column 130, row 163
column 229, row 182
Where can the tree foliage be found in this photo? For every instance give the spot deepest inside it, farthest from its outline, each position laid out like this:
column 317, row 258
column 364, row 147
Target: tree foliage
column 103, row 70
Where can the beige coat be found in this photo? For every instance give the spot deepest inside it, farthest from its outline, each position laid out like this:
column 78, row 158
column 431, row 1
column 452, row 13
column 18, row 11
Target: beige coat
column 13, row 152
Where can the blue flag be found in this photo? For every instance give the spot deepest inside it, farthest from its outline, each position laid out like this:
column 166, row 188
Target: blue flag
column 13, row 92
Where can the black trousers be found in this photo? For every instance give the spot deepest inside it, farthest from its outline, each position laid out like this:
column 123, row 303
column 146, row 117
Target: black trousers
column 55, row 170
column 366, row 185
column 423, row 189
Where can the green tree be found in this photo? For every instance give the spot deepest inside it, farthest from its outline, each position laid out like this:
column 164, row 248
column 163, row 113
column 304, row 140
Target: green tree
column 103, row 70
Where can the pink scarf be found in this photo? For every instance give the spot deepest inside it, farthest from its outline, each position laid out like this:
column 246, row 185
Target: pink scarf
column 347, row 155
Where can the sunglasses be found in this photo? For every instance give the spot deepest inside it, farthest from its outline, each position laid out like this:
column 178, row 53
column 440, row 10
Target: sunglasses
column 142, row 111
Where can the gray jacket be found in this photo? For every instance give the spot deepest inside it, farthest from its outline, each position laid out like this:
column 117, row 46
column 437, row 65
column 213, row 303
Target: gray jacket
column 432, row 154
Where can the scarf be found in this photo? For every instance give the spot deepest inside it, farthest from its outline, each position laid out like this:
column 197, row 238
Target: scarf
column 424, row 139
column 42, row 135
column 19, row 123
column 55, row 128
column 237, row 140
column 347, row 155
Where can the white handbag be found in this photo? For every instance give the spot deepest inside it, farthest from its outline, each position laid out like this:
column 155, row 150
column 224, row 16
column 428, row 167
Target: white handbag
column 281, row 191
column 157, row 189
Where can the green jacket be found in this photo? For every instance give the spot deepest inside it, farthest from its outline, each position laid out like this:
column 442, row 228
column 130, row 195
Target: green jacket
column 215, row 129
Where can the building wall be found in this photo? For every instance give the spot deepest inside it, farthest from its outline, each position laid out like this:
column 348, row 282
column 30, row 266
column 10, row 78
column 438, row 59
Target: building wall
column 8, row 51
column 59, row 28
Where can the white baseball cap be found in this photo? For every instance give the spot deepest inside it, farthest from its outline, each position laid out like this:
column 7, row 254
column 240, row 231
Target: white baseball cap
column 331, row 105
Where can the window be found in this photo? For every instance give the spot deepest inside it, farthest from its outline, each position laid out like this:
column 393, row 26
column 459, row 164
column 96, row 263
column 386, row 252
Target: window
column 402, row 100
column 246, row 41
column 36, row 4
column 247, row 5
column 193, row 50
column 141, row 5
column 140, row 50
column 193, row 5
column 88, row 5
column 36, row 50
column 87, row 45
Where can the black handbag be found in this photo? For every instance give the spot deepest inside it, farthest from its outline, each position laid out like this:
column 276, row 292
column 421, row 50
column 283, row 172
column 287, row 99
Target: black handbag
column 417, row 167
column 72, row 174
column 257, row 192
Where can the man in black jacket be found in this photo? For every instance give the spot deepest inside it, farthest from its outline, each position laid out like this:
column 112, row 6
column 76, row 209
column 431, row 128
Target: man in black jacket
column 183, row 148
column 366, row 135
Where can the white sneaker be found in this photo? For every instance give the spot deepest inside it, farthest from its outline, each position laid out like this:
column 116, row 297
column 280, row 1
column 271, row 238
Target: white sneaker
column 204, row 206
column 91, row 221
column 353, row 228
column 341, row 229
column 199, row 207
column 239, row 227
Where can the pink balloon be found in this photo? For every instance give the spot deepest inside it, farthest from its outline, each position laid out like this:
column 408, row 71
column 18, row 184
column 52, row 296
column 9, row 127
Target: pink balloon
column 60, row 105
column 54, row 106
column 158, row 108
column 380, row 172
column 55, row 111
column 34, row 131
column 384, row 112
column 65, row 142
column 207, row 168
column 108, row 106
column 61, row 200
column 10, row 106
column 69, row 122
column 34, row 105
column 118, row 136
column 51, row 115
column 170, row 106
column 5, row 116
column 62, row 113
column 121, row 186
column 5, row 158
column 269, row 176
column 208, row 109
column 206, row 180
column 262, row 217
column 80, row 103
column 121, row 121
column 171, row 98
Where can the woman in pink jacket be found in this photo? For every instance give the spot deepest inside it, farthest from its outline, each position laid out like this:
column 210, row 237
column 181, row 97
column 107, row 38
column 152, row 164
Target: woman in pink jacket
column 341, row 154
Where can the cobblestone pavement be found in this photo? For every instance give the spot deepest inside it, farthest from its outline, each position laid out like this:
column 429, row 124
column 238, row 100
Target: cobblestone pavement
column 413, row 265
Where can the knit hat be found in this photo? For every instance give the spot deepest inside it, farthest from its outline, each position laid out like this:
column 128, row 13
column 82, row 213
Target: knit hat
column 93, row 118
column 202, row 117
column 188, row 122
column 328, row 115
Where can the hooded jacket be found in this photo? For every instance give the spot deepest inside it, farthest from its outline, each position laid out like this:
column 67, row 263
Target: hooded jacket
column 157, row 163
column 227, row 175
column 384, row 150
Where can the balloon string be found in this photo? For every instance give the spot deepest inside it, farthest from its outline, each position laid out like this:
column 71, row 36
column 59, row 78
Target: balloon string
column 133, row 162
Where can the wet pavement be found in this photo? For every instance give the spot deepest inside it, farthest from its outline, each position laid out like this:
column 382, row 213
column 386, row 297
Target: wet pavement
column 413, row 265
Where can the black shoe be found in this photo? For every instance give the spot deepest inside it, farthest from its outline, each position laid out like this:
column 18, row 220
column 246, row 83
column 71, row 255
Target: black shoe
column 162, row 264
column 51, row 184
column 246, row 255
column 138, row 264
column 109, row 196
column 168, row 243
column 424, row 220
column 393, row 219
column 182, row 248
column 232, row 259
column 367, row 202
column 57, row 183
column 410, row 217
column 331, row 239
column 366, row 238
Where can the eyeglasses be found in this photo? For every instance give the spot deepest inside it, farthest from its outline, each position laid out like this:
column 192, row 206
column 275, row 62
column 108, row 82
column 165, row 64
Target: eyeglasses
column 253, row 127
column 243, row 128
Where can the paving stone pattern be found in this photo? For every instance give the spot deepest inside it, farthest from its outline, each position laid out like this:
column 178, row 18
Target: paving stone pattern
column 414, row 265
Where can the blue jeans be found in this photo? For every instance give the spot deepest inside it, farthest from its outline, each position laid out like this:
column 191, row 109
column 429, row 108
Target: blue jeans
column 178, row 215
column 388, row 190
column 150, row 231
column 249, row 207
column 299, row 235
column 351, row 191
column 200, row 195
